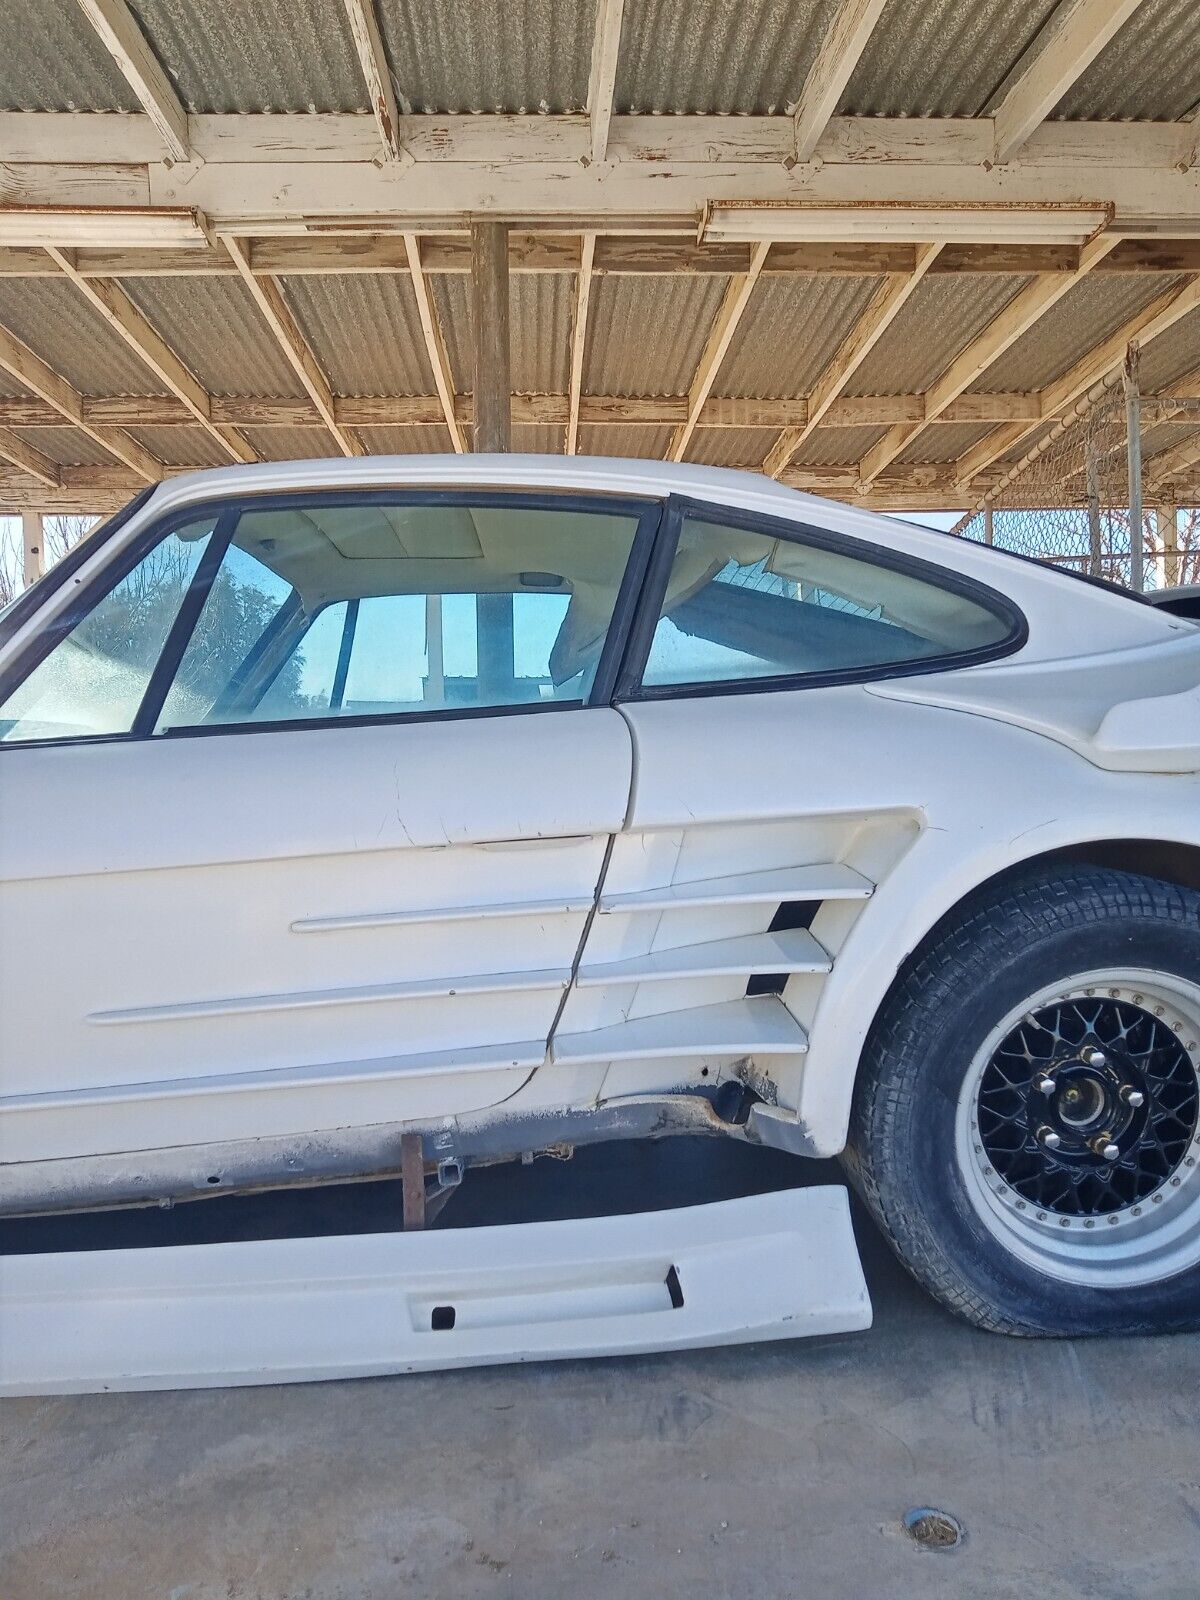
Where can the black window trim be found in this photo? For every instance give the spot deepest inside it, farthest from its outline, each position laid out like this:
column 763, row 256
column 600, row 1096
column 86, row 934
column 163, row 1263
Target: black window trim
column 630, row 688
column 226, row 510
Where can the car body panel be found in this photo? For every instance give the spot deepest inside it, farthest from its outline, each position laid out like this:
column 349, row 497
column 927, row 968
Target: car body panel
column 315, row 937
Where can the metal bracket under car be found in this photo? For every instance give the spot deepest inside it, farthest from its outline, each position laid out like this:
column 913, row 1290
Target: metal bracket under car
column 774, row 1266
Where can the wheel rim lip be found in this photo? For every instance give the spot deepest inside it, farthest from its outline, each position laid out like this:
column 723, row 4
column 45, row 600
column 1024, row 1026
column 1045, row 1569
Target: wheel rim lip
column 1153, row 1240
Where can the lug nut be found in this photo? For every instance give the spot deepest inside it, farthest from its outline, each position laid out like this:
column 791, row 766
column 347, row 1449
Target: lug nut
column 1048, row 1137
column 1133, row 1097
column 1095, row 1058
column 1102, row 1145
column 1045, row 1085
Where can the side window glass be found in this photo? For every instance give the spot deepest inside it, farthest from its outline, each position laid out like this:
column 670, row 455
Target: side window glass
column 335, row 608
column 743, row 605
column 92, row 682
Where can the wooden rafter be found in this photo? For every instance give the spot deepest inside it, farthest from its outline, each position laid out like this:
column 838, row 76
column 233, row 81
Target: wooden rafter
column 579, row 323
column 602, row 81
column 836, row 59
column 19, row 453
column 1163, row 312
column 1078, row 32
column 125, row 42
column 372, row 58
column 119, row 311
column 22, row 363
column 884, row 307
column 435, row 345
column 268, row 297
column 1017, row 317
column 733, row 308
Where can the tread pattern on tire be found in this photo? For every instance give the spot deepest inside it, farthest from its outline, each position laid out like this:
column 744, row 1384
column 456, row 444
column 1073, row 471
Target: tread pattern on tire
column 1046, row 900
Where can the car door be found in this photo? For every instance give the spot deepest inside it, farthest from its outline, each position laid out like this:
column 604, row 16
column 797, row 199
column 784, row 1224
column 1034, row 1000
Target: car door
column 306, row 799
column 773, row 791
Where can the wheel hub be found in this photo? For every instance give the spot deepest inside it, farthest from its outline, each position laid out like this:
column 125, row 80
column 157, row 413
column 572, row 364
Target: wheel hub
column 1088, row 1106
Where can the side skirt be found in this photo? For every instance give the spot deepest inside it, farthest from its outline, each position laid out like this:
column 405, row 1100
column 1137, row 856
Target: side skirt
column 774, row 1266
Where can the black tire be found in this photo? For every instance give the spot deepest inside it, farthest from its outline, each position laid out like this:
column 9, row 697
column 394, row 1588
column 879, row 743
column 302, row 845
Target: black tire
column 1036, row 927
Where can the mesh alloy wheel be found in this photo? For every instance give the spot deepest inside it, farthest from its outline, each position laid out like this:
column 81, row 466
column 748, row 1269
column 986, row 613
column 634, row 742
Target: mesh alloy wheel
column 1078, row 1129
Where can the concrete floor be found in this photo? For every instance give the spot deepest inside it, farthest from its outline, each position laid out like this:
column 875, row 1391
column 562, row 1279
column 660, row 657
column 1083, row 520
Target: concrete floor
column 778, row 1471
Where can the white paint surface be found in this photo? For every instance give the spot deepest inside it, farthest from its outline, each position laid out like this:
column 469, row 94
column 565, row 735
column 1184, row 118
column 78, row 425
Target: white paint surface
column 776, row 1266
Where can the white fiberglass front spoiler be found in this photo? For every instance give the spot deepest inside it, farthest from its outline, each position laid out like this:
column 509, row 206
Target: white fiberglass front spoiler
column 774, row 1266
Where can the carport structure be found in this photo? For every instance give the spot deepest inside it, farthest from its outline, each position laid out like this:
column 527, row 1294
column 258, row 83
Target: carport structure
column 872, row 247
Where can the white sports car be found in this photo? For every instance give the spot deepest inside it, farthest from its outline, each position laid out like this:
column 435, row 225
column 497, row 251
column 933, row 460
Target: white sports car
column 520, row 802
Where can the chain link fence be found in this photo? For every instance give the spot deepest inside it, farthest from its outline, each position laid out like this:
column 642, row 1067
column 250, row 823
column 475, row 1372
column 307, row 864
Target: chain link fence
column 1066, row 498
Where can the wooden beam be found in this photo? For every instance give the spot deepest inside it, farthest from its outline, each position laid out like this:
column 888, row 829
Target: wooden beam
column 1078, row 32
column 733, row 307
column 372, row 58
column 119, row 311
column 1017, row 317
column 579, row 323
column 606, row 48
column 490, row 326
column 17, row 359
column 550, row 410
column 34, row 547
column 435, row 345
column 829, row 74
column 18, row 453
column 125, row 42
column 268, row 296
column 1163, row 312
column 882, row 310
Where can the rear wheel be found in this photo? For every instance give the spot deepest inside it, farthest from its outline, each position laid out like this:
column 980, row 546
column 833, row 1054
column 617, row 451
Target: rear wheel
column 1026, row 1125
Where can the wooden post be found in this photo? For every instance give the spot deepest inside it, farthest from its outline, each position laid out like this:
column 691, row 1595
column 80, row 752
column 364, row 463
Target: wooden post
column 1167, row 560
column 989, row 531
column 489, row 284
column 1133, row 446
column 31, row 532
column 1095, row 537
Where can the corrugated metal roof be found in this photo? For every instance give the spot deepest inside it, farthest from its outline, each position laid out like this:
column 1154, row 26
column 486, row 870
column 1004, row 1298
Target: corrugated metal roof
column 489, row 55
column 10, row 389
column 943, row 442
column 646, row 335
column 1165, row 435
column 731, row 447
column 646, row 442
column 1151, row 69
column 291, row 444
column 182, row 447
column 540, row 307
column 942, row 317
column 364, row 330
column 268, row 55
column 68, row 446
column 56, row 321
column 543, row 439
column 427, row 441
column 747, row 56
column 52, row 60
column 1085, row 316
column 836, row 447
column 941, row 58
column 1172, row 354
column 789, row 332
column 218, row 333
